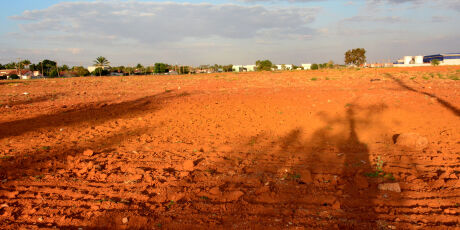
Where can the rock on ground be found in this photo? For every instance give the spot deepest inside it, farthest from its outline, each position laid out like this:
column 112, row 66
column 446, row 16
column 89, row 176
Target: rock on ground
column 411, row 140
column 393, row 187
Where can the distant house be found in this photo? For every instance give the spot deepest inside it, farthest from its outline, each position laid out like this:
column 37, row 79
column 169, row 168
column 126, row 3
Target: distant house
column 237, row 68
column 93, row 68
column 284, row 67
column 306, row 66
column 8, row 72
column 244, row 68
column 172, row 72
column 250, row 68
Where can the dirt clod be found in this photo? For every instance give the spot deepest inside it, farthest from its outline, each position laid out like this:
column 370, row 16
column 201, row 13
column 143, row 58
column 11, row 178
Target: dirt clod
column 88, row 152
column 188, row 165
column 393, row 187
column 124, row 220
column 305, row 176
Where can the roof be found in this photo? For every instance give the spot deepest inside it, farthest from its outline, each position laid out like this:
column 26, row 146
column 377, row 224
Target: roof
column 451, row 54
column 444, row 54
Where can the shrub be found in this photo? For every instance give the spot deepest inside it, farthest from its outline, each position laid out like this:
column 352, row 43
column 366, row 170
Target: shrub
column 435, row 62
column 356, row 57
column 314, row 66
column 14, row 76
column 264, row 65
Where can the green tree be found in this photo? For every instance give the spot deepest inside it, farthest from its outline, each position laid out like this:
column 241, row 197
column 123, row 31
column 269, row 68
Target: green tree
column 266, row 65
column 160, row 68
column 183, row 70
column 118, row 69
column 355, row 57
column 101, row 72
column 128, row 70
column 314, row 66
column 46, row 66
column 53, row 73
column 33, row 67
column 435, row 62
column 24, row 63
column 80, row 71
column 64, row 68
column 227, row 68
column 101, row 62
column 140, row 68
column 149, row 69
column 11, row 65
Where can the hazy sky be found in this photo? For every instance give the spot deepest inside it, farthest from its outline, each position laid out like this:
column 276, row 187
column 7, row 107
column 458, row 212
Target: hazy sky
column 225, row 31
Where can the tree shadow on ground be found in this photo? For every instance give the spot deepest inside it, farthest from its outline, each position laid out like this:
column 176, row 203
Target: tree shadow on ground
column 443, row 102
column 317, row 182
column 36, row 160
column 95, row 114
column 32, row 100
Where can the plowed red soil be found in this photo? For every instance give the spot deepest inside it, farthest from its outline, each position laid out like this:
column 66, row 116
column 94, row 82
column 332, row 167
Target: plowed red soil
column 281, row 150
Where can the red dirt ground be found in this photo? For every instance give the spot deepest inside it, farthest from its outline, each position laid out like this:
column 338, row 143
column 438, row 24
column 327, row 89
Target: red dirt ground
column 288, row 150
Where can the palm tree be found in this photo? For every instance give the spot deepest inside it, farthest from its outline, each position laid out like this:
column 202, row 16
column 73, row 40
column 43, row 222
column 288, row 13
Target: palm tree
column 101, row 62
column 25, row 63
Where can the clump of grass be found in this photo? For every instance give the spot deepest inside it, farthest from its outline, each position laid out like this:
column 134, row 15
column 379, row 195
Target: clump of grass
column 170, row 204
column 425, row 77
column 454, row 77
column 412, row 78
column 204, row 198
column 379, row 171
column 293, row 176
column 6, row 157
column 39, row 177
column 314, row 79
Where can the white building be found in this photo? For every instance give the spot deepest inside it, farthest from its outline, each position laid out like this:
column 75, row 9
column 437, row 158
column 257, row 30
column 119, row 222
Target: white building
column 92, row 68
column 444, row 59
column 284, row 67
column 237, row 68
column 250, row 68
column 244, row 68
column 306, row 66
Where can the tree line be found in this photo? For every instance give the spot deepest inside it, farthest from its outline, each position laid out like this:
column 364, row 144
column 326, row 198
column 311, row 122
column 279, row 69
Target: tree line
column 49, row 68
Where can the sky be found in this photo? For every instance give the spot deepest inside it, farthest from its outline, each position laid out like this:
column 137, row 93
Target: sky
column 189, row 32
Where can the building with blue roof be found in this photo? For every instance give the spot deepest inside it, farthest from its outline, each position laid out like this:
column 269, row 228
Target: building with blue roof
column 444, row 59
